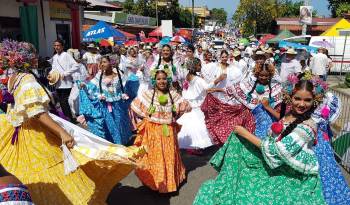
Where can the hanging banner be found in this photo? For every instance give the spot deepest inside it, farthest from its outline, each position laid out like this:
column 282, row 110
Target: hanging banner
column 305, row 15
column 167, row 28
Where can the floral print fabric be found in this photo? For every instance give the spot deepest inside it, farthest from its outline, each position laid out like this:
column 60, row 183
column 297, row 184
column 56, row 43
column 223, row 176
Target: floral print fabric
column 245, row 178
column 221, row 118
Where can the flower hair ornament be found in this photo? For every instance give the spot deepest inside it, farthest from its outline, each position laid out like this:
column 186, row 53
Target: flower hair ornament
column 20, row 56
column 320, row 86
column 164, row 68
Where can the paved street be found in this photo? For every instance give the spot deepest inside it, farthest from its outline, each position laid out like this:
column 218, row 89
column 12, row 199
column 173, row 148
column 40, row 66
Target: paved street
column 131, row 191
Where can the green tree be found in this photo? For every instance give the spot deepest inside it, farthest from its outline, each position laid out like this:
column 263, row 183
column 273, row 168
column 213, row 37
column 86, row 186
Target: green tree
column 334, row 5
column 128, row 6
column 254, row 17
column 259, row 17
column 220, row 15
column 171, row 11
column 143, row 8
column 342, row 8
column 185, row 19
column 289, row 8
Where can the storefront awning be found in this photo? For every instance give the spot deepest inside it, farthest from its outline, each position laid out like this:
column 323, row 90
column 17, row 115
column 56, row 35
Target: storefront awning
column 100, row 3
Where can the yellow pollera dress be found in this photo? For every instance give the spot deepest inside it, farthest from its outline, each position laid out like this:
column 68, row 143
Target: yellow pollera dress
column 162, row 169
column 36, row 159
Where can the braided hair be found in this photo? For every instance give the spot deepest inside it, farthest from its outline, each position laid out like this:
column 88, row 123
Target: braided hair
column 300, row 118
column 100, row 82
column 111, row 58
column 173, row 112
column 260, row 67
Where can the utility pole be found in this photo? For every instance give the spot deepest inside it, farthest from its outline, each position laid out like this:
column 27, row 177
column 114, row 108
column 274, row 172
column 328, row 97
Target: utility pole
column 192, row 13
column 157, row 12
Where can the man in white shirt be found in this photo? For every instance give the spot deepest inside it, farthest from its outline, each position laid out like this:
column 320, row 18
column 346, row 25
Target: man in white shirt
column 290, row 65
column 239, row 62
column 319, row 64
column 64, row 64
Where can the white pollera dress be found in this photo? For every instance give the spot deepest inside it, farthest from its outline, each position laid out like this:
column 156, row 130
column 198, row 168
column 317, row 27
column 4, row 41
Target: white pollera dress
column 194, row 133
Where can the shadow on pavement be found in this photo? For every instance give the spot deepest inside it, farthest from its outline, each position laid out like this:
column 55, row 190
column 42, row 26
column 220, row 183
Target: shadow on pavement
column 192, row 162
column 126, row 195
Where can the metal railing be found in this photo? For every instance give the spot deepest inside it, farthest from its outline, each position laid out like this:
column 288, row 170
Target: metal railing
column 341, row 128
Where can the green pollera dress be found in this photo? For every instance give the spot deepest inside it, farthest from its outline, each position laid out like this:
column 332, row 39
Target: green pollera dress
column 280, row 173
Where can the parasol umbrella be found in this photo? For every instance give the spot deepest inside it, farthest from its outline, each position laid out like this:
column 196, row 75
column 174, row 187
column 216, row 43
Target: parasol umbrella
column 165, row 40
column 150, row 40
column 130, row 43
column 244, row 41
column 105, row 43
column 178, row 39
column 185, row 33
column 266, row 38
column 102, row 30
column 323, row 43
column 156, row 32
column 281, row 36
column 129, row 36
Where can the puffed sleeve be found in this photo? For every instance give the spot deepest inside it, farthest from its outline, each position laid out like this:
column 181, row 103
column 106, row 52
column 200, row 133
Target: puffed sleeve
column 294, row 150
column 30, row 100
column 330, row 102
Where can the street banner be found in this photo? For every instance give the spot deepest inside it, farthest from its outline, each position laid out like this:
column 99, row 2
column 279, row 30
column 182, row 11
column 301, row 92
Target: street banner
column 167, row 28
column 305, row 15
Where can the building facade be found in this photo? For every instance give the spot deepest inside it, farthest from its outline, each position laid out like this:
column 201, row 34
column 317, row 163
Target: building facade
column 41, row 22
column 318, row 26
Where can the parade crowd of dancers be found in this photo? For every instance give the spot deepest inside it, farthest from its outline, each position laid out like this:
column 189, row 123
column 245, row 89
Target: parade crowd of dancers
column 125, row 109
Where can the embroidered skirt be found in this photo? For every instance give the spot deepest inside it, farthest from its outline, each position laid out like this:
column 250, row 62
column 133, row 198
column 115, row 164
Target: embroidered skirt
column 163, row 170
column 15, row 194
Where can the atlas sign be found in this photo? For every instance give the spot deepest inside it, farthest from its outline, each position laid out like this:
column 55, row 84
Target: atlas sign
column 94, row 32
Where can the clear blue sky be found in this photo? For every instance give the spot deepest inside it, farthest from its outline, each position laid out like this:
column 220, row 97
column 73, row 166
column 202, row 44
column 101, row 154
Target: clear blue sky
column 230, row 5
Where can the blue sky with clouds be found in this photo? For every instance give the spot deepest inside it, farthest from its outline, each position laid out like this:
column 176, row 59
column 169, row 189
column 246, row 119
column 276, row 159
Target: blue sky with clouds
column 230, row 5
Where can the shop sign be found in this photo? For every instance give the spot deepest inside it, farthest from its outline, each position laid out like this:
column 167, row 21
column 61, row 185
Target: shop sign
column 94, row 32
column 59, row 10
column 134, row 19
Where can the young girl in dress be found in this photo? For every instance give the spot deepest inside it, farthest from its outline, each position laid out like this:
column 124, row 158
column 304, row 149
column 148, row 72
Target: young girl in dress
column 145, row 70
column 282, row 168
column 262, row 95
column 222, row 112
column 132, row 67
column 194, row 135
column 103, row 105
column 159, row 108
column 165, row 61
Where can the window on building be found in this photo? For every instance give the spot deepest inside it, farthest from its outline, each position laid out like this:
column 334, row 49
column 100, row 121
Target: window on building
column 10, row 28
column 63, row 33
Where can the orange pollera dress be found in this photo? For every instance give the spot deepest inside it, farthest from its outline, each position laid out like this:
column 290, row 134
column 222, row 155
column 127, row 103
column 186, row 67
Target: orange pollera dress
column 163, row 170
